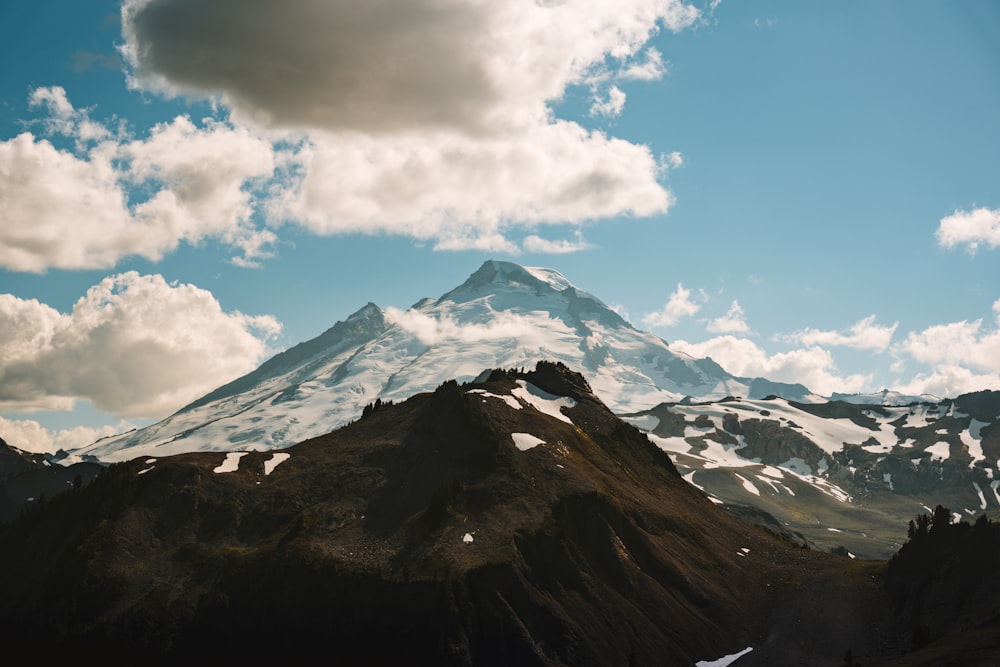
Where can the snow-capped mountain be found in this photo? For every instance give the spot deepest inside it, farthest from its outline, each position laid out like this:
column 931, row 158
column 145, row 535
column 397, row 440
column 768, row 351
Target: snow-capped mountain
column 842, row 473
column 503, row 316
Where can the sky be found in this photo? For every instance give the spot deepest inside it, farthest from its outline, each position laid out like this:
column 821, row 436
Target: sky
column 802, row 190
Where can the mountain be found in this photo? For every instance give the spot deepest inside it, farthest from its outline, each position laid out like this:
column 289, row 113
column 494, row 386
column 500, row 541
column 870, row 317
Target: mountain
column 503, row 316
column 27, row 478
column 843, row 474
column 514, row 520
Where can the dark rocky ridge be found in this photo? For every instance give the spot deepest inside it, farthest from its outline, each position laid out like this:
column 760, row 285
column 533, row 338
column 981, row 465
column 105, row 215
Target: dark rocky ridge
column 587, row 549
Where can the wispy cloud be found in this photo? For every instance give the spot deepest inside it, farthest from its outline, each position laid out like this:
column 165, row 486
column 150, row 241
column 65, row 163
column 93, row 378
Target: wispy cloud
column 533, row 243
column 432, row 330
column 734, row 321
column 973, row 228
column 678, row 306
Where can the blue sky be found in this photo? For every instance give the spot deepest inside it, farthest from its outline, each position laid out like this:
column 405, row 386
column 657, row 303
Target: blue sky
column 807, row 191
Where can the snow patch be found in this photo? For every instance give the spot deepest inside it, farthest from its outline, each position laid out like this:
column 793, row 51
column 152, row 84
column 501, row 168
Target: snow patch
column 509, row 400
column 643, row 422
column 543, row 401
column 525, row 441
column 272, row 463
column 797, row 465
column 939, row 451
column 724, row 661
column 748, row 485
column 467, row 538
column 887, row 478
column 231, row 463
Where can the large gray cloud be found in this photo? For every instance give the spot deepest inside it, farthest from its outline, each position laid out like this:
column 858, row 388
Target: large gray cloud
column 386, row 64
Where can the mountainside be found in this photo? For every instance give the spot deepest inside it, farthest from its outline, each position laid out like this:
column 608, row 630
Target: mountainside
column 843, row 474
column 25, row 478
column 512, row 521
column 503, row 316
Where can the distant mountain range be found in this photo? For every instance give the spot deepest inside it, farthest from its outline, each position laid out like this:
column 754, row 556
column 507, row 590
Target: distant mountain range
column 511, row 520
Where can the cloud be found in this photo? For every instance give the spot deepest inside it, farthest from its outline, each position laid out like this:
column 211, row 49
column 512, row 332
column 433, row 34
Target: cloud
column 863, row 335
column 30, row 436
column 537, row 244
column 85, row 208
column 678, row 306
column 134, row 345
column 813, row 367
column 610, row 107
column 425, row 119
column 431, row 330
column 734, row 321
column 458, row 193
column 970, row 228
column 969, row 345
column 385, row 66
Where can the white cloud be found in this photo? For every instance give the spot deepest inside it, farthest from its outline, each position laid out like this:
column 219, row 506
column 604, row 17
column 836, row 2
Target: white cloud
column 71, row 210
column 734, row 321
column 423, row 119
column 610, row 107
column 963, row 344
column 537, row 244
column 673, row 160
column 650, row 68
column 459, row 192
column 133, row 345
column 970, row 228
column 863, row 335
column 431, row 330
column 949, row 380
column 678, row 306
column 813, row 367
column 30, row 436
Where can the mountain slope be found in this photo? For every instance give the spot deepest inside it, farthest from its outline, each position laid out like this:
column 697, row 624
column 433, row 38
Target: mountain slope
column 843, row 474
column 503, row 316
column 513, row 521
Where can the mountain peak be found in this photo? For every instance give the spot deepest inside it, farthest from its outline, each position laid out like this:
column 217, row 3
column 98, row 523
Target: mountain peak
column 498, row 273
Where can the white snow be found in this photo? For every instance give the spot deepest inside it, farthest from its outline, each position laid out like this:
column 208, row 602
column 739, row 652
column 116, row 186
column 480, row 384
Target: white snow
column 797, row 465
column 543, row 401
column 995, row 484
column 525, row 441
column 724, row 661
column 273, row 462
column 938, row 451
column 747, row 484
column 643, row 422
column 143, row 472
column 467, row 538
column 887, row 478
column 509, row 400
column 231, row 462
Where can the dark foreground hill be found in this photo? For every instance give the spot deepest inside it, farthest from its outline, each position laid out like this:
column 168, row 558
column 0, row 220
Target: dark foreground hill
column 513, row 521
